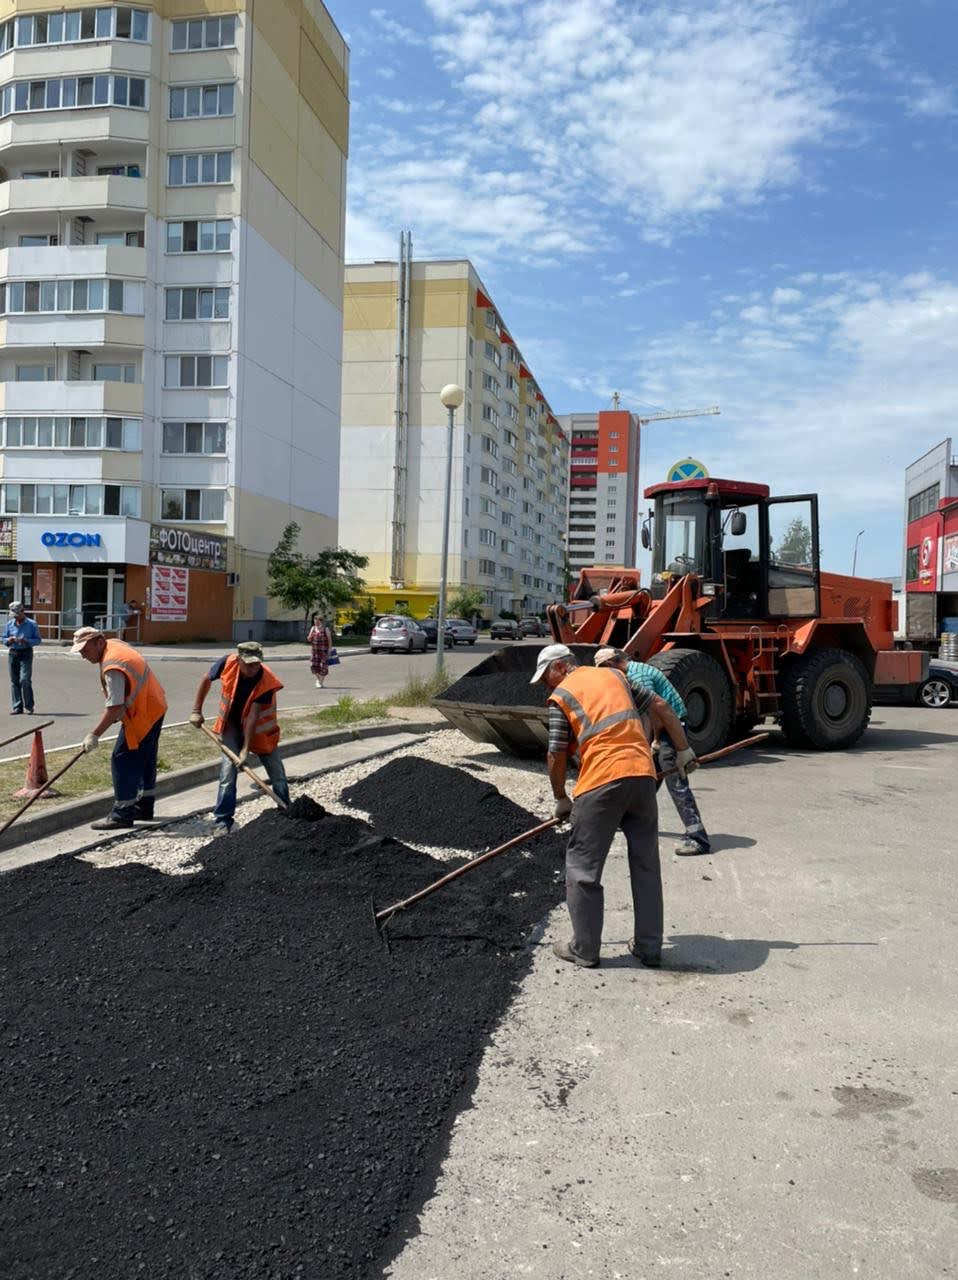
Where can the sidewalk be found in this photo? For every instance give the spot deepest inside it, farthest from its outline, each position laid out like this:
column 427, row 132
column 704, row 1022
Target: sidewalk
column 282, row 651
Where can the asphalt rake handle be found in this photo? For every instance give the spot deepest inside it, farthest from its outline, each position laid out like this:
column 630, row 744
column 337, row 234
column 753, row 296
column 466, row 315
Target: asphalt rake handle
column 37, row 794
column 35, row 728
column 718, row 755
column 234, row 759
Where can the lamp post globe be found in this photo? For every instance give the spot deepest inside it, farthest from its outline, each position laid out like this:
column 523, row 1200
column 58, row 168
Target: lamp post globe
column 451, row 396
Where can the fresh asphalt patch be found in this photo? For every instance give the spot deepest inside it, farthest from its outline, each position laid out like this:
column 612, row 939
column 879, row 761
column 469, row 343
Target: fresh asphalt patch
column 228, row 1074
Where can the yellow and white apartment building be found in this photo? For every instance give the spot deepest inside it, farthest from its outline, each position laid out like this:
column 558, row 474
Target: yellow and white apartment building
column 409, row 329
column 172, row 183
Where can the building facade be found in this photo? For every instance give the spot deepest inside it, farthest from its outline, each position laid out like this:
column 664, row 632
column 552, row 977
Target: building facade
column 172, row 182
column 603, row 487
column 410, row 328
column 931, row 544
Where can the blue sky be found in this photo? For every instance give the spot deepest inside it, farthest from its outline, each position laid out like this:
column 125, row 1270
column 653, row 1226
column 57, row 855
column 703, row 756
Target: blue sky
column 749, row 203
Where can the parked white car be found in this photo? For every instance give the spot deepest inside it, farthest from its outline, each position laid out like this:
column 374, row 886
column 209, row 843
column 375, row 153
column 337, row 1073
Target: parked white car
column 396, row 632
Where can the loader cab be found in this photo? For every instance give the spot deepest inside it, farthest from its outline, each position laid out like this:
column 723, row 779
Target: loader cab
column 756, row 555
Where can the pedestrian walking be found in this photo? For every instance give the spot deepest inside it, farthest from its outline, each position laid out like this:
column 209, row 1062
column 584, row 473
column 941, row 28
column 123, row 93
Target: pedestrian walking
column 21, row 635
column 594, row 711
column 247, row 722
column 642, row 675
column 129, row 621
column 320, row 645
column 134, row 698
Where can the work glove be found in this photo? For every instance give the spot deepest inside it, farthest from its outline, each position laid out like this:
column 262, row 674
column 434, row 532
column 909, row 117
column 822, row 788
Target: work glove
column 563, row 808
column 685, row 762
column 90, row 743
column 196, row 718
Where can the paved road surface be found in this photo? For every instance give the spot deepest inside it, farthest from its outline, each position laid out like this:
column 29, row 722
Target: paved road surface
column 66, row 687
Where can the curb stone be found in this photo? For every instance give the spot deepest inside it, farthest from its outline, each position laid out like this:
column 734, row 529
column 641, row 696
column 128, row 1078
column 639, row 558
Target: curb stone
column 95, row 805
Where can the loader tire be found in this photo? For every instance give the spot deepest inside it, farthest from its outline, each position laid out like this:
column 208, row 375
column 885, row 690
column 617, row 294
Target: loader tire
column 826, row 700
column 704, row 688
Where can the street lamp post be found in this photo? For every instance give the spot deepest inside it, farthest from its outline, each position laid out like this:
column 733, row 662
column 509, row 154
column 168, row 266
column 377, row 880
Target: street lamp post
column 452, row 397
column 855, row 556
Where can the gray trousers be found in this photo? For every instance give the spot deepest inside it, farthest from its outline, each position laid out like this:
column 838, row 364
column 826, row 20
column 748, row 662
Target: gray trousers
column 628, row 805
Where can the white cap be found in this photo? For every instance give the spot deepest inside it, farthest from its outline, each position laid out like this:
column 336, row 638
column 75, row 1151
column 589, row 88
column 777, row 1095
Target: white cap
column 604, row 656
column 16, row 606
column 549, row 654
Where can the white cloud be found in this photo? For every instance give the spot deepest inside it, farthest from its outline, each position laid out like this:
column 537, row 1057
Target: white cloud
column 584, row 110
column 785, row 297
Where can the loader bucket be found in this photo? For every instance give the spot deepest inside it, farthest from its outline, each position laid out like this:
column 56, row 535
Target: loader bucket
column 495, row 703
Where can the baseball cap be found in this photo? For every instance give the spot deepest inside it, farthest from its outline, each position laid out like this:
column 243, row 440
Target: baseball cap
column 250, row 651
column 606, row 655
column 16, row 606
column 81, row 637
column 550, row 653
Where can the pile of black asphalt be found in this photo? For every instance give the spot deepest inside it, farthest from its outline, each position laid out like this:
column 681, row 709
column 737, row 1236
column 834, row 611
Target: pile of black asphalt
column 503, row 680
column 227, row 1075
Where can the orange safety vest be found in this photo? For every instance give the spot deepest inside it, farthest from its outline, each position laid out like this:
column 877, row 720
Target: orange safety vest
column 599, row 706
column 266, row 728
column 145, row 700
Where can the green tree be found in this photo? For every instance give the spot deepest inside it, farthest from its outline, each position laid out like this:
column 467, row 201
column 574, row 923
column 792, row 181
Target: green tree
column 328, row 580
column 364, row 616
column 465, row 602
column 402, row 609
column 795, row 546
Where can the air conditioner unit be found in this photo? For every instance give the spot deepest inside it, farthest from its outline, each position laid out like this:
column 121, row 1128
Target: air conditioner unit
column 232, row 579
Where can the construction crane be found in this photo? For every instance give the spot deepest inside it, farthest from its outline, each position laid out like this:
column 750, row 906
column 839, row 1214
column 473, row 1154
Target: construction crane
column 668, row 414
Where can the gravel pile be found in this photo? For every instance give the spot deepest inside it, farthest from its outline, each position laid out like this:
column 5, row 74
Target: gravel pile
column 226, row 1074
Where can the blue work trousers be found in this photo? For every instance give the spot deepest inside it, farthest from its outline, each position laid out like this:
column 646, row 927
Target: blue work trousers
column 681, row 793
column 226, row 795
column 134, row 775
column 21, row 679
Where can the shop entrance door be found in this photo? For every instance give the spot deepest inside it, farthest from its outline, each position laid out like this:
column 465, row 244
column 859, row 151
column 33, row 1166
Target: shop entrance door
column 89, row 596
column 9, row 591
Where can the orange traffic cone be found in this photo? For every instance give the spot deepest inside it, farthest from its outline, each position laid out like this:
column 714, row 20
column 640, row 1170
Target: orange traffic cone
column 37, row 776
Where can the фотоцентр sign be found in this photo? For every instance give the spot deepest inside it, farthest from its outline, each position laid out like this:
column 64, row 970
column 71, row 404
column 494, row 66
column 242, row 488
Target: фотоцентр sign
column 186, row 549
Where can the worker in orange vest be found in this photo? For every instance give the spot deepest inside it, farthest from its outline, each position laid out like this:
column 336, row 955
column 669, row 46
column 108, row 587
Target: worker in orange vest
column 595, row 712
column 135, row 698
column 246, row 722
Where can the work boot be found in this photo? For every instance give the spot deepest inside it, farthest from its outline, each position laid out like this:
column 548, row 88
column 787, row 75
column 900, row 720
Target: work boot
column 222, row 828
column 112, row 824
column 567, row 951
column 688, row 846
column 143, row 811
column 650, row 959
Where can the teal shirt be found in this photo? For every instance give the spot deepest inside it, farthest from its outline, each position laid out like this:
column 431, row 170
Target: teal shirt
column 641, row 675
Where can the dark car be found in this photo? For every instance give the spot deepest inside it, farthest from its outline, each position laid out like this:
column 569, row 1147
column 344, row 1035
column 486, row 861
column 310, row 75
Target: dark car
column 431, row 628
column 532, row 627
column 505, row 629
column 936, row 691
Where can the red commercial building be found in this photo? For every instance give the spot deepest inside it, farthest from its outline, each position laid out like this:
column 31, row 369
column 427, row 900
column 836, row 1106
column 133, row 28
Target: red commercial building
column 931, row 546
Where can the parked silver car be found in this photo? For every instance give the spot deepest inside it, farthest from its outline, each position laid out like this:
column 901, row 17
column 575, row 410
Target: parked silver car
column 460, row 631
column 396, row 632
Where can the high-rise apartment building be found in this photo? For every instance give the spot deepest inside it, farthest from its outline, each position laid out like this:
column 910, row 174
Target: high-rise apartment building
column 411, row 328
column 603, row 487
column 172, row 183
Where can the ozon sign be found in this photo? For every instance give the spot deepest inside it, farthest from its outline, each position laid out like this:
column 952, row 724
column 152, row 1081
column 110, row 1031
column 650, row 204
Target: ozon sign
column 63, row 539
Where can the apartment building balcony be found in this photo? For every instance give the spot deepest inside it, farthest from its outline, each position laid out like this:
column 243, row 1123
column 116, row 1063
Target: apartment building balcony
column 89, row 127
column 35, row 335
column 74, row 260
column 22, row 200
column 76, row 398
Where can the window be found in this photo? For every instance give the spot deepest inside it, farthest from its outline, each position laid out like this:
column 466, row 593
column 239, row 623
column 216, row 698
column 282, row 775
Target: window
column 114, row 373
column 72, row 433
column 513, row 413
column 35, row 373
column 489, row 415
column 487, row 567
column 510, row 467
column 492, row 384
column 71, row 499
column 205, row 506
column 194, row 437
column 488, row 537
column 505, row 571
column 196, row 371
column 119, row 23
column 119, row 171
column 911, row 564
column 199, row 168
column 613, row 448
column 512, row 383
column 198, row 304
column 72, row 92
column 488, row 507
column 130, row 239
column 507, row 546
column 508, row 519
column 204, row 33
column 509, row 492
column 71, row 295
column 489, row 446
column 923, row 503
column 190, row 101
column 613, row 435
column 37, row 242
column 488, row 476
column 213, row 236
column 493, row 354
